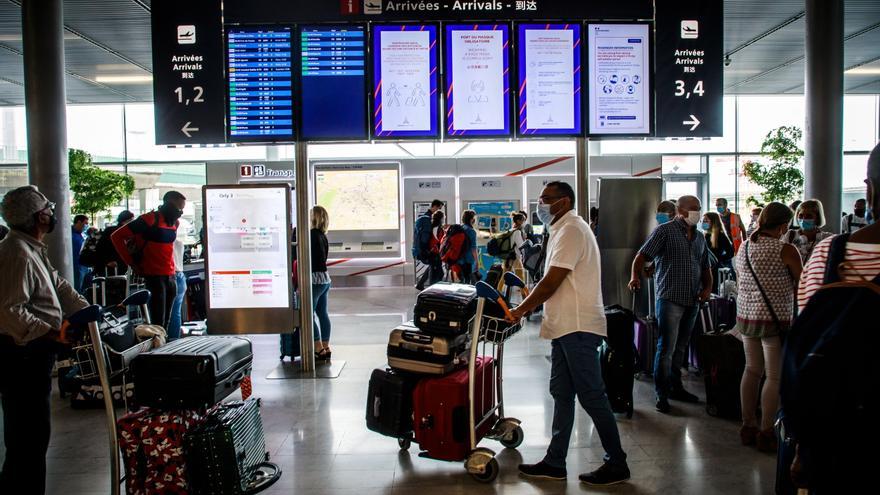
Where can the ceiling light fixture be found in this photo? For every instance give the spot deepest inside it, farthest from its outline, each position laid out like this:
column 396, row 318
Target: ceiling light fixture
column 864, row 71
column 124, row 79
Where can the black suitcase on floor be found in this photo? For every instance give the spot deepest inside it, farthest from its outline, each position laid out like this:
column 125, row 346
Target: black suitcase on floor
column 191, row 372
column 446, row 309
column 414, row 351
column 389, row 403
column 723, row 362
column 225, row 452
column 618, row 359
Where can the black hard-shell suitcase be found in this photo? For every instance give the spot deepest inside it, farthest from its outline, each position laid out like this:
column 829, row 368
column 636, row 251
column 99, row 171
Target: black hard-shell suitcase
column 389, row 403
column 723, row 361
column 414, row 351
column 618, row 359
column 446, row 309
column 191, row 372
column 108, row 291
column 225, row 453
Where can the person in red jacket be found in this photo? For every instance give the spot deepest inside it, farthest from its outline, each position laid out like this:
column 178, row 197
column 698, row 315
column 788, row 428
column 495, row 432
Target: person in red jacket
column 147, row 245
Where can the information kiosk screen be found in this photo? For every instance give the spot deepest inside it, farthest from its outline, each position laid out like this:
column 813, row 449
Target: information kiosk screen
column 405, row 81
column 619, row 79
column 477, row 80
column 358, row 197
column 550, row 96
column 260, row 84
column 333, row 82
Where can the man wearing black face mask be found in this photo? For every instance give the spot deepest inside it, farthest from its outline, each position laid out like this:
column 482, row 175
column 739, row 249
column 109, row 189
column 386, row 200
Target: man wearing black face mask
column 855, row 220
column 147, row 245
column 34, row 300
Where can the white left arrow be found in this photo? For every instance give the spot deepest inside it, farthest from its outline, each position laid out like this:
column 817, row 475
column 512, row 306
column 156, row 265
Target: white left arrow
column 694, row 122
column 186, row 129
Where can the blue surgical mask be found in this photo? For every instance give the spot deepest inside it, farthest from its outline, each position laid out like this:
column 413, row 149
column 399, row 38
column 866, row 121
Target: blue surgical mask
column 721, row 209
column 662, row 218
column 808, row 224
column 544, row 214
column 706, row 226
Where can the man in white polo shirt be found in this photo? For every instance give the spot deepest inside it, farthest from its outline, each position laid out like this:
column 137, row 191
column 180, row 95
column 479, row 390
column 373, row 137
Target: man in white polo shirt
column 574, row 320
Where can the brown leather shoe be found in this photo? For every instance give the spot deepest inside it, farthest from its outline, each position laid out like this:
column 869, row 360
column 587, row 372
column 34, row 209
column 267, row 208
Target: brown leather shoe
column 748, row 435
column 766, row 441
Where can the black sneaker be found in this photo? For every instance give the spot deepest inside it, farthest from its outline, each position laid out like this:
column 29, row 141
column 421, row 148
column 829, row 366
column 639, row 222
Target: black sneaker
column 606, row 475
column 684, row 396
column 543, row 470
column 663, row 406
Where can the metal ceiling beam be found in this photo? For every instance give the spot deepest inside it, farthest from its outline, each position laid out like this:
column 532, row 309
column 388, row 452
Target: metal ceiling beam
column 98, row 44
column 798, row 59
column 767, row 33
column 142, row 5
column 866, row 62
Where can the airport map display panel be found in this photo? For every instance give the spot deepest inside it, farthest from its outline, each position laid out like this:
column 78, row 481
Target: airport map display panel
column 405, row 81
column 359, row 198
column 247, row 247
column 260, row 79
column 619, row 77
column 477, row 80
column 333, row 72
column 549, row 97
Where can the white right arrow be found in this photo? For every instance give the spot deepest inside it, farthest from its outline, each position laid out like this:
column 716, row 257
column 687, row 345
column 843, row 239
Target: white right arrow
column 186, row 129
column 694, row 122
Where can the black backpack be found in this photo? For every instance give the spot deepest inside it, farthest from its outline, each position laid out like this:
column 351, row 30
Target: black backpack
column 830, row 376
column 89, row 255
column 501, row 245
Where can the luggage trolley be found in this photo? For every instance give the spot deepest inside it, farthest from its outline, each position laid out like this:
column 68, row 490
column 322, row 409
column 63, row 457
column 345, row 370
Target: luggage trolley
column 488, row 335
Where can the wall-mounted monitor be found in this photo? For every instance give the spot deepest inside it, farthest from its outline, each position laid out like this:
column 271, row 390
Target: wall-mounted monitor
column 477, row 80
column 406, row 81
column 549, row 99
column 248, row 258
column 333, row 82
column 260, row 84
column 359, row 197
column 619, row 75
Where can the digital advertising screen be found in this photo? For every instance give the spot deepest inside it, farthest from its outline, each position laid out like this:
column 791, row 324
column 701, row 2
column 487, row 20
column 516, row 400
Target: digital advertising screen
column 359, row 198
column 260, row 84
column 405, row 81
column 333, row 80
column 477, row 80
column 619, row 79
column 248, row 247
column 550, row 97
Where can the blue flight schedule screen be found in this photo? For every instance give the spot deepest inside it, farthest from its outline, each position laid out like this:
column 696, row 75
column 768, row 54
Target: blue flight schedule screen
column 260, row 84
column 333, row 82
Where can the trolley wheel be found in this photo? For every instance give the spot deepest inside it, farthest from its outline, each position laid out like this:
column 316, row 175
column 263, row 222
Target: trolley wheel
column 492, row 470
column 264, row 476
column 404, row 443
column 712, row 410
column 514, row 439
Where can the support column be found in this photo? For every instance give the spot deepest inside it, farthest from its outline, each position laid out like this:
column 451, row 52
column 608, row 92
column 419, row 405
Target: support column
column 582, row 178
column 42, row 23
column 304, row 259
column 823, row 89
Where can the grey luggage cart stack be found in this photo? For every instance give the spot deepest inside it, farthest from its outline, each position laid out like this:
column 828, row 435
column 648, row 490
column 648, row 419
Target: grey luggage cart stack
column 488, row 336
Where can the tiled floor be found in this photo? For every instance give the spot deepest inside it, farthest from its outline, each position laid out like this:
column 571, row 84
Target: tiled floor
column 315, row 428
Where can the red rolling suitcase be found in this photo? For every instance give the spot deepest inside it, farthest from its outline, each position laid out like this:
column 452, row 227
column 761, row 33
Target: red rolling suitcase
column 442, row 426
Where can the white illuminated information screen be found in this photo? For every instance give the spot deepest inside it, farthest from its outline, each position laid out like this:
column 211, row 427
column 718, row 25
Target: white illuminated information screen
column 619, row 72
column 247, row 248
column 359, row 199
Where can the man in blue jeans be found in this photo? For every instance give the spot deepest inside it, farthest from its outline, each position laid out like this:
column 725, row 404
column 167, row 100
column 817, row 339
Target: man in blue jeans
column 684, row 280
column 574, row 320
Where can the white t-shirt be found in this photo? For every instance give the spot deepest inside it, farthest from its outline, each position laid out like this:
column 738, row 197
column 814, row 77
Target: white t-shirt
column 518, row 238
column 576, row 306
column 178, row 255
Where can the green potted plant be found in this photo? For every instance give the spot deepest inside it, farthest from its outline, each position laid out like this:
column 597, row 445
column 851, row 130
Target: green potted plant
column 780, row 178
column 95, row 189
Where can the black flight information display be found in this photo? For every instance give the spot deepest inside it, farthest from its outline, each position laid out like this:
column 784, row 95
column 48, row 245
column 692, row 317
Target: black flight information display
column 260, row 84
column 333, row 82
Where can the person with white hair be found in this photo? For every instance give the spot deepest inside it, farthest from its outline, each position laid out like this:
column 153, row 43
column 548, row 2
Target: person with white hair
column 33, row 303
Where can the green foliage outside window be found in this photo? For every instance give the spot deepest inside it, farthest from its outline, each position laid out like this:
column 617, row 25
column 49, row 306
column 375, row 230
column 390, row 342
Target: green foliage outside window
column 94, row 189
column 780, row 178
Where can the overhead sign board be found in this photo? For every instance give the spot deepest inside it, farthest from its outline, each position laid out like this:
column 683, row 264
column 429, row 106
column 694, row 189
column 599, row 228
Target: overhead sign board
column 251, row 11
column 188, row 93
column 619, row 77
column 689, row 79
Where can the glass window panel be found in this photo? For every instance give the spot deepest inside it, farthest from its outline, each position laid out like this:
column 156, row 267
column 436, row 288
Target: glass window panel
column 678, row 188
column 153, row 180
column 13, row 135
column 97, row 130
column 722, row 180
column 682, row 164
column 854, row 173
column 746, row 189
column 758, row 115
column 859, row 122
